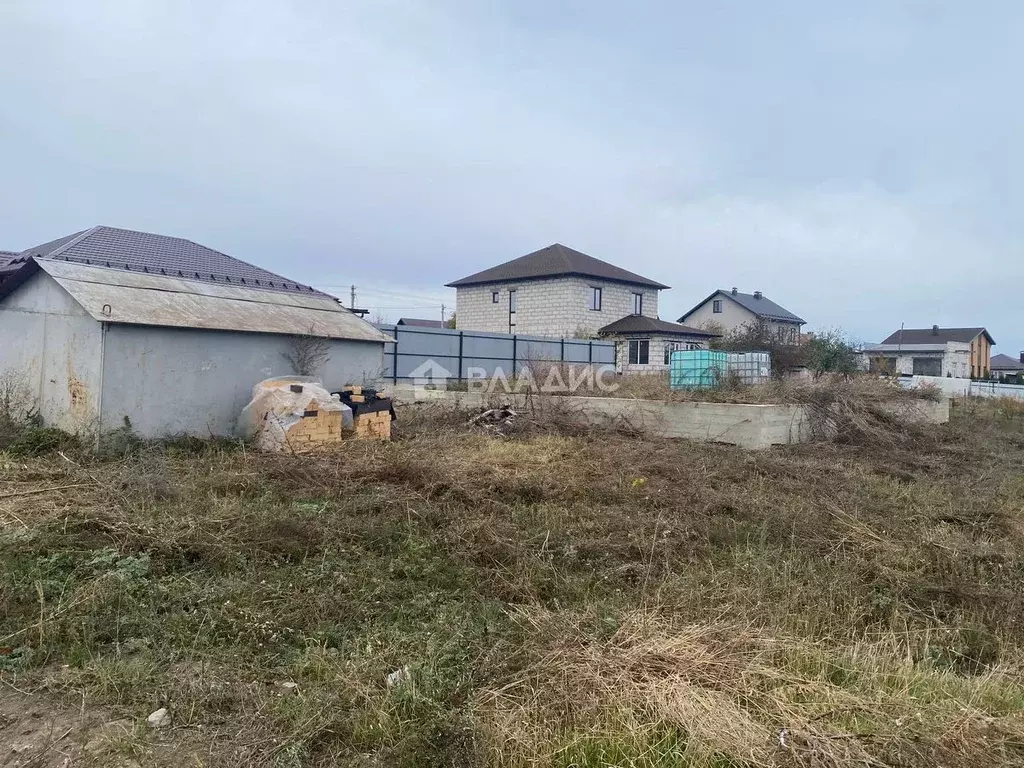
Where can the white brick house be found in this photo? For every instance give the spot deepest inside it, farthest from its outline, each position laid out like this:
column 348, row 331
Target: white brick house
column 556, row 291
column 949, row 358
column 732, row 310
column 645, row 344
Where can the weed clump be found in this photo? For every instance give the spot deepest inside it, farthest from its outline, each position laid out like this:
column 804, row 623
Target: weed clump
column 37, row 441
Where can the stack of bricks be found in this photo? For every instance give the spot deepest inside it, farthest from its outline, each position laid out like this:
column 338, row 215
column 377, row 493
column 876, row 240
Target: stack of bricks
column 314, row 431
column 371, row 414
column 375, row 425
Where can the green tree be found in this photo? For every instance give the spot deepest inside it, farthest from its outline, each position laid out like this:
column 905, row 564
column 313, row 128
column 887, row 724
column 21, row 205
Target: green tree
column 830, row 352
column 760, row 336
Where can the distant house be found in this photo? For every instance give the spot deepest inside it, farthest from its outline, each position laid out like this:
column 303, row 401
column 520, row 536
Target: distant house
column 1004, row 366
column 731, row 311
column 556, row 291
column 958, row 352
column 111, row 326
column 647, row 343
column 416, row 322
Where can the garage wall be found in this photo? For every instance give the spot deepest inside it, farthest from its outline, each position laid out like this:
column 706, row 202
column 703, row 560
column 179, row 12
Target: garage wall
column 172, row 381
column 52, row 347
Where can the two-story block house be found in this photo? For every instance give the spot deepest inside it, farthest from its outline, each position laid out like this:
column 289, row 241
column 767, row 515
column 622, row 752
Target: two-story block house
column 556, row 291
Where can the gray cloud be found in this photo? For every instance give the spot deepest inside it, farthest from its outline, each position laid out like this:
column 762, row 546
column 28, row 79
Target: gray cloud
column 859, row 164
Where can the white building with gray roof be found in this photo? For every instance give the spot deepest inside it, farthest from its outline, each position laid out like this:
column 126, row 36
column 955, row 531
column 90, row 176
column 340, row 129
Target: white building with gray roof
column 731, row 311
column 109, row 325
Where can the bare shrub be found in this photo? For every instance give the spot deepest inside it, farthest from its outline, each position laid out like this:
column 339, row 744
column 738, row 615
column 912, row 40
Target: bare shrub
column 308, row 353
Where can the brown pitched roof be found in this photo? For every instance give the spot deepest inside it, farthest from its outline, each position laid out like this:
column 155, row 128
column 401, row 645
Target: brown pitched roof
column 936, row 335
column 555, row 261
column 640, row 324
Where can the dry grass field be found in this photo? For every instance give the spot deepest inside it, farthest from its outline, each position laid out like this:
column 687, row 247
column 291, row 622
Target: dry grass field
column 547, row 598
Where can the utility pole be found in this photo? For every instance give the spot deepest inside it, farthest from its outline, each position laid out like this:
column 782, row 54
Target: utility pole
column 442, row 314
column 352, row 298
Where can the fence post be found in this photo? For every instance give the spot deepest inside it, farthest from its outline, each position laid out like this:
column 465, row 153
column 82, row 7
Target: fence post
column 394, row 359
column 590, row 351
column 515, row 340
column 460, row 355
column 561, row 351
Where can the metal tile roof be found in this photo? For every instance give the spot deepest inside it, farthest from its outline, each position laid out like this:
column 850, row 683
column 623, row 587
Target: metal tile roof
column 144, row 252
column 555, row 261
column 10, row 262
column 639, row 324
column 935, row 335
column 761, row 306
column 136, row 298
column 1005, row 363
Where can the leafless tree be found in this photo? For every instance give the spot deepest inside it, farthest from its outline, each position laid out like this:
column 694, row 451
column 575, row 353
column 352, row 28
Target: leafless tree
column 308, row 353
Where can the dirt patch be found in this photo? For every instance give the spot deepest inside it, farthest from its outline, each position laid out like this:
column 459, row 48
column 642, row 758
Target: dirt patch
column 40, row 731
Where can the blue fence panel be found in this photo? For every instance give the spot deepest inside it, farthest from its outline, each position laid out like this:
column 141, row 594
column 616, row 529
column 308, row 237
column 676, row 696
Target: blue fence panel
column 438, row 353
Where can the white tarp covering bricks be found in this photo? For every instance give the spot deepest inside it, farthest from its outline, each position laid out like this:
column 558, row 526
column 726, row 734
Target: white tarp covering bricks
column 294, row 414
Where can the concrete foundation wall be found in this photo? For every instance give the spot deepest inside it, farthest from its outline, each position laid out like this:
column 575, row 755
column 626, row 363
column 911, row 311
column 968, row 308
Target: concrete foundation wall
column 53, row 349
column 170, row 381
column 744, row 425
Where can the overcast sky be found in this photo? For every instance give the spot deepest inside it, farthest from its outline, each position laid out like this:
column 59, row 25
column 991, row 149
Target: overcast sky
column 859, row 162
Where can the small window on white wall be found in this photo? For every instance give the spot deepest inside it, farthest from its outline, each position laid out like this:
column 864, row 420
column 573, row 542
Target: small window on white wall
column 639, row 351
column 638, row 303
column 716, row 306
column 595, row 299
column 495, row 296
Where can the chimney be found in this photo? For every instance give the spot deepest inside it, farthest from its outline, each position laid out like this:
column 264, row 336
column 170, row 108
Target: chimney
column 734, row 293
column 935, row 330
column 757, row 294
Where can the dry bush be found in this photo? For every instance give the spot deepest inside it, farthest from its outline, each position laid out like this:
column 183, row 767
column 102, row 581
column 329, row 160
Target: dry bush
column 308, row 353
column 17, row 406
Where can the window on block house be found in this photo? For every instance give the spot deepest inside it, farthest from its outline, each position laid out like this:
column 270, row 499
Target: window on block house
column 639, row 351
column 716, row 306
column 638, row 303
column 927, row 366
column 678, row 346
column 595, row 299
column 495, row 295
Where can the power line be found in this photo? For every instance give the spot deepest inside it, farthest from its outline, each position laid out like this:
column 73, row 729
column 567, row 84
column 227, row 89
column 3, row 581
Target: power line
column 396, row 294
